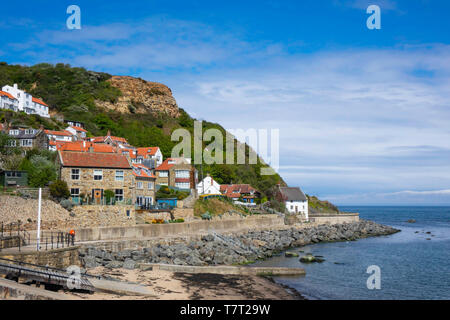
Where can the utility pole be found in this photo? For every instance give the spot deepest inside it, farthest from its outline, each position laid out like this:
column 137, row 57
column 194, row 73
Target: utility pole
column 39, row 220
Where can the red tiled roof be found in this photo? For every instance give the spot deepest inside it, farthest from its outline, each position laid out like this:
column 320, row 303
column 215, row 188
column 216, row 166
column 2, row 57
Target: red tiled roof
column 236, row 190
column 142, row 173
column 165, row 165
column 94, row 160
column 6, row 94
column 83, row 146
column 58, row 133
column 147, row 151
column 78, row 129
column 102, row 139
column 36, row 100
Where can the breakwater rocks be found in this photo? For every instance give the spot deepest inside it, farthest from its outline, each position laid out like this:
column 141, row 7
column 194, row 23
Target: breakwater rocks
column 217, row 249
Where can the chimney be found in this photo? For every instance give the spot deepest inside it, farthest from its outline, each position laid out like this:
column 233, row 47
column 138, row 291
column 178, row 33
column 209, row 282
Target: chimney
column 15, row 86
column 109, row 133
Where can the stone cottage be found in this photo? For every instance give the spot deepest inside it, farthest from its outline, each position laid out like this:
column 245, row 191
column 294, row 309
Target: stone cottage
column 88, row 175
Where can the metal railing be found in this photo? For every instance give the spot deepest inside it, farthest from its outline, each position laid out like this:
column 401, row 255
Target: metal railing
column 101, row 202
column 13, row 235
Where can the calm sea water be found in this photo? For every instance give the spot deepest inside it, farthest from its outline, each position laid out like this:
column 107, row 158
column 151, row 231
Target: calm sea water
column 412, row 267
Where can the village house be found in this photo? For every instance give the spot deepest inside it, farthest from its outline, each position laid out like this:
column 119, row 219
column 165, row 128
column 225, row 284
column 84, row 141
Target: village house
column 145, row 186
column 27, row 138
column 208, row 186
column 295, row 200
column 240, row 192
column 59, row 135
column 26, row 102
column 177, row 172
column 78, row 132
column 73, row 123
column 7, row 101
column 140, row 155
column 112, row 140
column 90, row 174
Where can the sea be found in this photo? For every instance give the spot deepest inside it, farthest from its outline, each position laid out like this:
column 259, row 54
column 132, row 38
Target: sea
column 411, row 264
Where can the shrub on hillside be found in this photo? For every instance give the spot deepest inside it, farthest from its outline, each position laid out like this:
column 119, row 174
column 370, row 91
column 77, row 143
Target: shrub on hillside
column 59, row 190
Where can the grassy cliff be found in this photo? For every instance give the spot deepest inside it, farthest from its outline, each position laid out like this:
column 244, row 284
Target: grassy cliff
column 92, row 97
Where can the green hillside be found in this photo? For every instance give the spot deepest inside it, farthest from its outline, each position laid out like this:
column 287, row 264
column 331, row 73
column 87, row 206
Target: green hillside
column 72, row 92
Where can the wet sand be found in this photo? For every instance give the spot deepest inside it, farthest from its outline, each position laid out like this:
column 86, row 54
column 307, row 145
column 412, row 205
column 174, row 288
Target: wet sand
column 183, row 286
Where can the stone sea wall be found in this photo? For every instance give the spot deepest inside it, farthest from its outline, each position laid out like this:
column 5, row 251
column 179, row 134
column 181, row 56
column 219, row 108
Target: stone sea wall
column 217, row 249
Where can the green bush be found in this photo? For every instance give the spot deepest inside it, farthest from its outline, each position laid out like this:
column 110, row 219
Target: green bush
column 109, row 194
column 59, row 190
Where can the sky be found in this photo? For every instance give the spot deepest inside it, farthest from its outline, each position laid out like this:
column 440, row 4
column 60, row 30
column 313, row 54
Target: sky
column 363, row 114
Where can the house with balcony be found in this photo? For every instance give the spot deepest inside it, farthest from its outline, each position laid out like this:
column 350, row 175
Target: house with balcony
column 26, row 102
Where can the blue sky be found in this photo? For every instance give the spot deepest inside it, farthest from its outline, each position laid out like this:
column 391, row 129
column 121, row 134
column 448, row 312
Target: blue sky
column 363, row 114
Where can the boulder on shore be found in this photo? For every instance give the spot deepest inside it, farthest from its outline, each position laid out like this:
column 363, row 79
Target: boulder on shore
column 291, row 254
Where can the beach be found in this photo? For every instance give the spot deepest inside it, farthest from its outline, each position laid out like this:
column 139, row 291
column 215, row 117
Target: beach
column 183, row 286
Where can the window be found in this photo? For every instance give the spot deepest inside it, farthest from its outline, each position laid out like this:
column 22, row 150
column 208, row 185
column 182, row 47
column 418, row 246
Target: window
column 163, row 174
column 140, row 185
column 14, row 132
column 26, row 143
column 119, row 175
column 75, row 174
column 12, row 143
column 183, row 185
column 182, row 173
column 29, row 131
column 150, row 185
column 119, row 194
column 98, row 175
column 74, row 193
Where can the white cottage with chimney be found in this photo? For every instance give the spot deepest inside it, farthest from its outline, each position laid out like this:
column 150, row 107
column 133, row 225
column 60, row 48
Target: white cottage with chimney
column 208, row 186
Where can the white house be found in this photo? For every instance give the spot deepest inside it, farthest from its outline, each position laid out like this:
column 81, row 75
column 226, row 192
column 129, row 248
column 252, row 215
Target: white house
column 59, row 135
column 7, row 101
column 26, row 102
column 208, row 186
column 295, row 200
column 77, row 131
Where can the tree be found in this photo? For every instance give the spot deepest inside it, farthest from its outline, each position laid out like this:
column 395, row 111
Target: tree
column 59, row 190
column 10, row 155
column 41, row 171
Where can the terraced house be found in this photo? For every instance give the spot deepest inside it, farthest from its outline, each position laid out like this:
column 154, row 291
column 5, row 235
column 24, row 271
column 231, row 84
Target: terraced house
column 177, row 172
column 27, row 138
column 145, row 186
column 88, row 176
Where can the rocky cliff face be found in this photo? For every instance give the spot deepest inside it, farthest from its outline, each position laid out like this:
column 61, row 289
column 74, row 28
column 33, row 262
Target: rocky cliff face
column 140, row 96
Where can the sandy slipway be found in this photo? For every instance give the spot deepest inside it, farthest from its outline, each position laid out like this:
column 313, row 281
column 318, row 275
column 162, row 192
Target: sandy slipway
column 216, row 249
